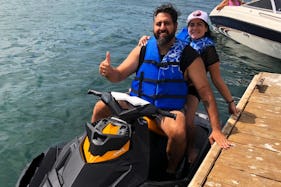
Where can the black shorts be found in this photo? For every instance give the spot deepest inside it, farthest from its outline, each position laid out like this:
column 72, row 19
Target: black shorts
column 192, row 91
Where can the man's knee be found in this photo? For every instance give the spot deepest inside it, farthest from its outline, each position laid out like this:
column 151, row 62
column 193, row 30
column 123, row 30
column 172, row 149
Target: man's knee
column 100, row 111
column 98, row 107
column 178, row 127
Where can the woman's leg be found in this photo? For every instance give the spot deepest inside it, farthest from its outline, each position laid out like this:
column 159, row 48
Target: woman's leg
column 191, row 108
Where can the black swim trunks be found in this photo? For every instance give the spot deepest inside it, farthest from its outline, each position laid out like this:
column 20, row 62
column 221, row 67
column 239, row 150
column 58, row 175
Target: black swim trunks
column 192, row 91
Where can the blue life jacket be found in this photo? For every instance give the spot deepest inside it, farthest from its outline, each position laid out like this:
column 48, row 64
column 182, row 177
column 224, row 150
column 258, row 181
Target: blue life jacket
column 183, row 35
column 199, row 45
column 161, row 82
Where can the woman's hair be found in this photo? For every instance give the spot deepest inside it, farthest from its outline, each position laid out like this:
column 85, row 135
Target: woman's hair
column 208, row 33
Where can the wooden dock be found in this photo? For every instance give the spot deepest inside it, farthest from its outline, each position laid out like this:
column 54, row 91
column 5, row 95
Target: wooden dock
column 255, row 158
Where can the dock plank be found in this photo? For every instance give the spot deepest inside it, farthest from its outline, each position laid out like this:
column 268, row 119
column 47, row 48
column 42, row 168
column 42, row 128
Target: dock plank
column 256, row 141
column 232, row 177
column 261, row 162
column 255, row 122
column 254, row 160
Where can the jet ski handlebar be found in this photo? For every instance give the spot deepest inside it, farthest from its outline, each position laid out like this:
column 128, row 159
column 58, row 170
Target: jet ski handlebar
column 166, row 113
column 145, row 108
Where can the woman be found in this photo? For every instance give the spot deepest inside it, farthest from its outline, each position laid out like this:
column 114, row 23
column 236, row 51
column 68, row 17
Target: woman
column 198, row 35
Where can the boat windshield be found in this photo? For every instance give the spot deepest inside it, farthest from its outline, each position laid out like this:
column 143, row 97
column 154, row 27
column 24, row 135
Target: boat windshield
column 266, row 4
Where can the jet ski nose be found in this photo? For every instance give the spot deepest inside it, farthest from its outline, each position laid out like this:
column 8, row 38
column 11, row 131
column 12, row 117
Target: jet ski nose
column 107, row 135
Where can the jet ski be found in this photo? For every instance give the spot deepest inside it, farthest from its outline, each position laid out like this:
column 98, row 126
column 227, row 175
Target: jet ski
column 125, row 149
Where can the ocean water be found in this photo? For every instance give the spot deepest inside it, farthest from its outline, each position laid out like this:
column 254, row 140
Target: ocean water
column 49, row 57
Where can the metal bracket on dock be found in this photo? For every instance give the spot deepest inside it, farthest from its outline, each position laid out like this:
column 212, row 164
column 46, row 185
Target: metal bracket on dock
column 260, row 86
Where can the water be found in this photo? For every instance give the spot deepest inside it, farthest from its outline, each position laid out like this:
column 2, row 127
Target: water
column 49, row 57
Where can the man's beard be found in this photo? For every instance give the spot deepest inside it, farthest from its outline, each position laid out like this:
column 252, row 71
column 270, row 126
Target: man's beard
column 164, row 40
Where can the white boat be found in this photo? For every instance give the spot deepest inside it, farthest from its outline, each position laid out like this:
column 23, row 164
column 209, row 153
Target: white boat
column 256, row 24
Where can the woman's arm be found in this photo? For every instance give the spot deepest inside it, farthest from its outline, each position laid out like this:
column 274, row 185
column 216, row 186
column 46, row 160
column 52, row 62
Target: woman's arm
column 143, row 40
column 219, row 83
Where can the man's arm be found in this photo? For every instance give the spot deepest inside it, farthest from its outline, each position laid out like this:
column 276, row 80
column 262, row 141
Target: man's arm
column 126, row 68
column 197, row 73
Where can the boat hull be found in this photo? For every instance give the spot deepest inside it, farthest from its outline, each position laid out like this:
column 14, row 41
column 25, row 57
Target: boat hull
column 254, row 28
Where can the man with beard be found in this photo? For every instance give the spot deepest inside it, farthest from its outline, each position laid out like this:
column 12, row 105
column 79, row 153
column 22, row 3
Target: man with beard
column 162, row 68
